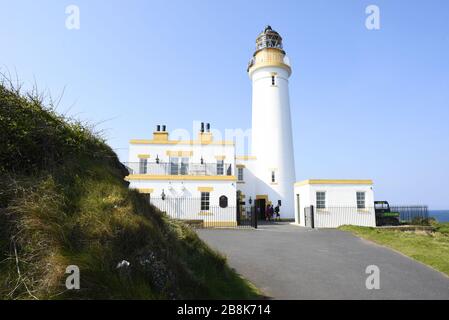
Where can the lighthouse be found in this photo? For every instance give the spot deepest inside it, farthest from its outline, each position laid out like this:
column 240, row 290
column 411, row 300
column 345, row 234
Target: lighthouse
column 271, row 139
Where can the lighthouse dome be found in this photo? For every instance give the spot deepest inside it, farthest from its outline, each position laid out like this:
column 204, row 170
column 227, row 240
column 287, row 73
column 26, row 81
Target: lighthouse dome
column 268, row 38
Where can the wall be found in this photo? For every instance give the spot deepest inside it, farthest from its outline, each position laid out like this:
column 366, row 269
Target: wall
column 272, row 142
column 341, row 205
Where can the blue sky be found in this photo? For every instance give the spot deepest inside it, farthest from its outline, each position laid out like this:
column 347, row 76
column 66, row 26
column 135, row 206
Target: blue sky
column 365, row 104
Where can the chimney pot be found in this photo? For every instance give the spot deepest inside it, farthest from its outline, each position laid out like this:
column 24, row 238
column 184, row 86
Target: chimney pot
column 158, row 128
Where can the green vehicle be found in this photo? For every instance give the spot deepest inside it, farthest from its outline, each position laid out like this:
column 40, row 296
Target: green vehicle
column 384, row 216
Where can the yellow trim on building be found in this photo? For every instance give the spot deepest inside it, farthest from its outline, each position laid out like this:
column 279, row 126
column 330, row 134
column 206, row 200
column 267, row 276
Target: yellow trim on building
column 219, row 224
column 245, row 158
column 179, row 177
column 178, row 153
column 205, row 137
column 205, row 213
column 335, row 181
column 145, row 190
column 262, row 197
column 160, row 136
column 143, row 156
column 240, row 166
column 182, row 142
column 220, row 157
column 205, row 189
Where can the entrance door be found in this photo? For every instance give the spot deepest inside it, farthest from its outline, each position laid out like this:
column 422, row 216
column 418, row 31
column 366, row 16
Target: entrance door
column 298, row 209
column 260, row 205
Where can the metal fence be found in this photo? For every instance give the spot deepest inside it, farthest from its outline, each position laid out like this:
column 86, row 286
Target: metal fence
column 335, row 216
column 411, row 214
column 200, row 214
column 167, row 168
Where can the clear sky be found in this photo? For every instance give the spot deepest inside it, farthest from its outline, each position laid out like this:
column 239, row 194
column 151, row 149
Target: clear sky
column 365, row 103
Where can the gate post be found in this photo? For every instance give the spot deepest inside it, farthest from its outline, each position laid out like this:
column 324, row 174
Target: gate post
column 254, row 217
column 312, row 217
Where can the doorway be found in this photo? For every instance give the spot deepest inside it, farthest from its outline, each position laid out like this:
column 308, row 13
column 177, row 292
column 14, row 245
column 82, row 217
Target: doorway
column 260, row 205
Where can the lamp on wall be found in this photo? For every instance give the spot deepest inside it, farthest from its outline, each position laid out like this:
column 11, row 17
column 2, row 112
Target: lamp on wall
column 163, row 195
column 202, row 160
column 250, row 201
column 157, row 158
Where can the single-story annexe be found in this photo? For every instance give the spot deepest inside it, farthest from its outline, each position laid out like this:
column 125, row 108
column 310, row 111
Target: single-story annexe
column 333, row 203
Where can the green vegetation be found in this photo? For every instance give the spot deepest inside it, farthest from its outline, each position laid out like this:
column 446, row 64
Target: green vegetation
column 431, row 248
column 63, row 201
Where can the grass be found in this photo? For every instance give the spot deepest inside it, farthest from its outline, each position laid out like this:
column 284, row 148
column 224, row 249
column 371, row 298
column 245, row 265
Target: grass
column 430, row 248
column 64, row 201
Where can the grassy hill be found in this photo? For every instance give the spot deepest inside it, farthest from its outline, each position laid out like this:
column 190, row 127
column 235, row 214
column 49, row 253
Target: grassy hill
column 63, row 201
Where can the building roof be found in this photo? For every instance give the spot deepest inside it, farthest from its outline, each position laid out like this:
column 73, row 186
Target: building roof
column 334, row 181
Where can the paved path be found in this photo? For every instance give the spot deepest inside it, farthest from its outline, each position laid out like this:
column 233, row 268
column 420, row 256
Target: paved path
column 289, row 262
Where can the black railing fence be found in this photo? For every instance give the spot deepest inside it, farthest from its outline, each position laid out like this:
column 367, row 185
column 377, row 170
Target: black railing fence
column 201, row 214
column 166, row 168
column 411, row 214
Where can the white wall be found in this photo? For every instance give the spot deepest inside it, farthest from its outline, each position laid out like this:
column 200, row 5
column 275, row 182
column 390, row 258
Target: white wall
column 341, row 205
column 272, row 142
column 190, row 207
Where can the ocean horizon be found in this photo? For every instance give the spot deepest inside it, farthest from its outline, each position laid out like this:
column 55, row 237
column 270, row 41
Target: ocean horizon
column 440, row 215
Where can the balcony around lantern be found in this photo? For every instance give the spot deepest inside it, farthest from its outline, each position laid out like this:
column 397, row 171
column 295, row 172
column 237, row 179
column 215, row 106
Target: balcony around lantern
column 179, row 169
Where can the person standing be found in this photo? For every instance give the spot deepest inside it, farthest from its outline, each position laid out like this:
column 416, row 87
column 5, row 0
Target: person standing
column 277, row 212
column 267, row 213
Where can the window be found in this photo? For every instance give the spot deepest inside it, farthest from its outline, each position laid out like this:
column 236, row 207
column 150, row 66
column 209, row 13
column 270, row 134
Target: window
column 240, row 174
column 273, row 176
column 220, row 167
column 321, row 200
column 184, row 166
column 273, row 80
column 205, row 196
column 360, row 200
column 174, row 165
column 143, row 166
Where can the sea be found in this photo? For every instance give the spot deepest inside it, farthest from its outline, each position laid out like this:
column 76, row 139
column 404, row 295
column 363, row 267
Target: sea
column 440, row 215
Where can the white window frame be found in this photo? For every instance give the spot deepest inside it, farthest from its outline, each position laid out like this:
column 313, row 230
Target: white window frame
column 205, row 201
column 323, row 206
column 143, row 166
column 360, row 204
column 240, row 176
column 220, row 168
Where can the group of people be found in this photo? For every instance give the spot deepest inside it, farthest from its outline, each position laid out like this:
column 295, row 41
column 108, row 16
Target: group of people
column 272, row 213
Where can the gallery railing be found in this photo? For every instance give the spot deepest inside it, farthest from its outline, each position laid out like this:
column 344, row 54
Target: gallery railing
column 411, row 214
column 190, row 169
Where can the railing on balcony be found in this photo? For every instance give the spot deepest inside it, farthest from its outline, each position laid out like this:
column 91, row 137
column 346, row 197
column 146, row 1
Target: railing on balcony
column 188, row 169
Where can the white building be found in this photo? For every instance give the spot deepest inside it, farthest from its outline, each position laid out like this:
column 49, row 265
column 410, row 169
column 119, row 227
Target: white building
column 335, row 203
column 207, row 174
column 269, row 171
column 189, row 179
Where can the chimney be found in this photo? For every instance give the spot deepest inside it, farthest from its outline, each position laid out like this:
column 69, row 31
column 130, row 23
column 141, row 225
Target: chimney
column 205, row 136
column 160, row 135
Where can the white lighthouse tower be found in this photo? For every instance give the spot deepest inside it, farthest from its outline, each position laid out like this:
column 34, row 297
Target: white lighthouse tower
column 272, row 144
